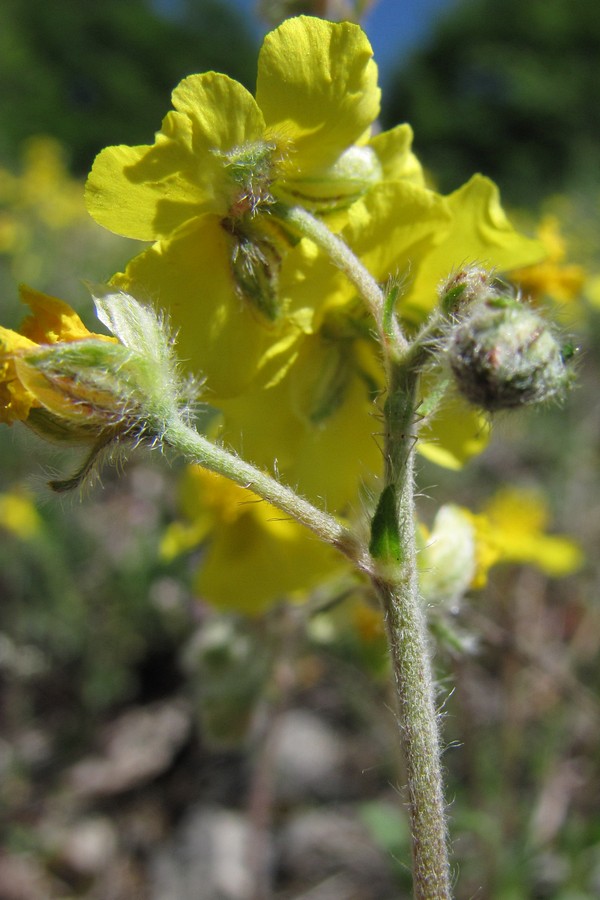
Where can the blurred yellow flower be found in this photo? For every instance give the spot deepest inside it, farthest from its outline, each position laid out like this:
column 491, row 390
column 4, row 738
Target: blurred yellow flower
column 252, row 557
column 512, row 528
column 19, row 516
column 553, row 278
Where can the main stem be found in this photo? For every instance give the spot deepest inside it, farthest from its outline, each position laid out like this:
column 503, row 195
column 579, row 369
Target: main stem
column 407, row 634
column 394, row 571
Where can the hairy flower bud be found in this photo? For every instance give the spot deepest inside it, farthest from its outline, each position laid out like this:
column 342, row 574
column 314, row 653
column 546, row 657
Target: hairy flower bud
column 504, row 355
column 467, row 286
column 335, row 187
column 70, row 385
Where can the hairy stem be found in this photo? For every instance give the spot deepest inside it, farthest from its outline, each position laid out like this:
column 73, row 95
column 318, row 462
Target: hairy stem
column 397, row 586
column 341, row 256
column 196, row 448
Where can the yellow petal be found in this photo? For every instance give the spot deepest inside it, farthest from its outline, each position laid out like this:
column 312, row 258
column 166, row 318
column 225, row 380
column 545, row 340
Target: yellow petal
column 393, row 149
column 317, row 88
column 68, row 400
column 258, row 558
column 220, row 335
column 456, row 434
column 52, row 321
column 222, row 113
column 15, row 400
column 479, row 233
column 146, row 192
column 511, row 528
column 396, row 226
column 273, row 427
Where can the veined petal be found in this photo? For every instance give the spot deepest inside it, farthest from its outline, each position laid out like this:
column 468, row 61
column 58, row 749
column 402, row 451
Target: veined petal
column 317, row 88
column 147, row 192
column 222, row 113
column 479, row 232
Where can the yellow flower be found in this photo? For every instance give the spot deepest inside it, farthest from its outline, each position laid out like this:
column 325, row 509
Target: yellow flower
column 205, row 190
column 553, row 277
column 69, row 384
column 253, row 556
column 325, row 397
column 19, row 516
column 512, row 528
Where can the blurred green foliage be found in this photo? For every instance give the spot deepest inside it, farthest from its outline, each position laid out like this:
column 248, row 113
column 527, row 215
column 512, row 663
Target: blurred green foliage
column 92, row 74
column 509, row 89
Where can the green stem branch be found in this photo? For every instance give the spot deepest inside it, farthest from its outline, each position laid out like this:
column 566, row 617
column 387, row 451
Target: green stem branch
column 341, row 256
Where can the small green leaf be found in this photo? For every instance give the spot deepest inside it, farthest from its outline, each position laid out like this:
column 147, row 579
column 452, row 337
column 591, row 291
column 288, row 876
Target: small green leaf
column 385, row 538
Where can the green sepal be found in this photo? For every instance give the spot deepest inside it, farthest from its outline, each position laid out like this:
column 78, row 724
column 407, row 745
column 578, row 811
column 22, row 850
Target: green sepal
column 79, row 477
column 385, row 542
column 255, row 268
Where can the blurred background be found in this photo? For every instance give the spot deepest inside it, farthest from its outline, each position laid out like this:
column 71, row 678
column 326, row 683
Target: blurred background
column 145, row 741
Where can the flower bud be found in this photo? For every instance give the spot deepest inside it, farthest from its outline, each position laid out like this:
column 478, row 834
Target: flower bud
column 504, row 355
column 70, row 385
column 335, row 187
column 465, row 287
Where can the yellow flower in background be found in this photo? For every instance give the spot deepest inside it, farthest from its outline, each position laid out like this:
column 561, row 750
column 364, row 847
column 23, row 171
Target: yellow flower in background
column 553, row 278
column 19, row 516
column 253, row 557
column 43, row 188
column 512, row 528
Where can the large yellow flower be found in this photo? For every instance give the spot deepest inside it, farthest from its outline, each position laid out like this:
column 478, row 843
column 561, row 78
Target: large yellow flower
column 204, row 192
column 306, row 414
column 254, row 556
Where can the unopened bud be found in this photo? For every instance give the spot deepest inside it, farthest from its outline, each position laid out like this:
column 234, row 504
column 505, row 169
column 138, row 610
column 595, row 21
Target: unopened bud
column 467, row 286
column 87, row 388
column 336, row 186
column 504, row 355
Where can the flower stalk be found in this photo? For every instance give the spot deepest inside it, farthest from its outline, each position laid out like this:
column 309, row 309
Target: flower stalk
column 195, row 448
column 393, row 544
column 341, row 256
